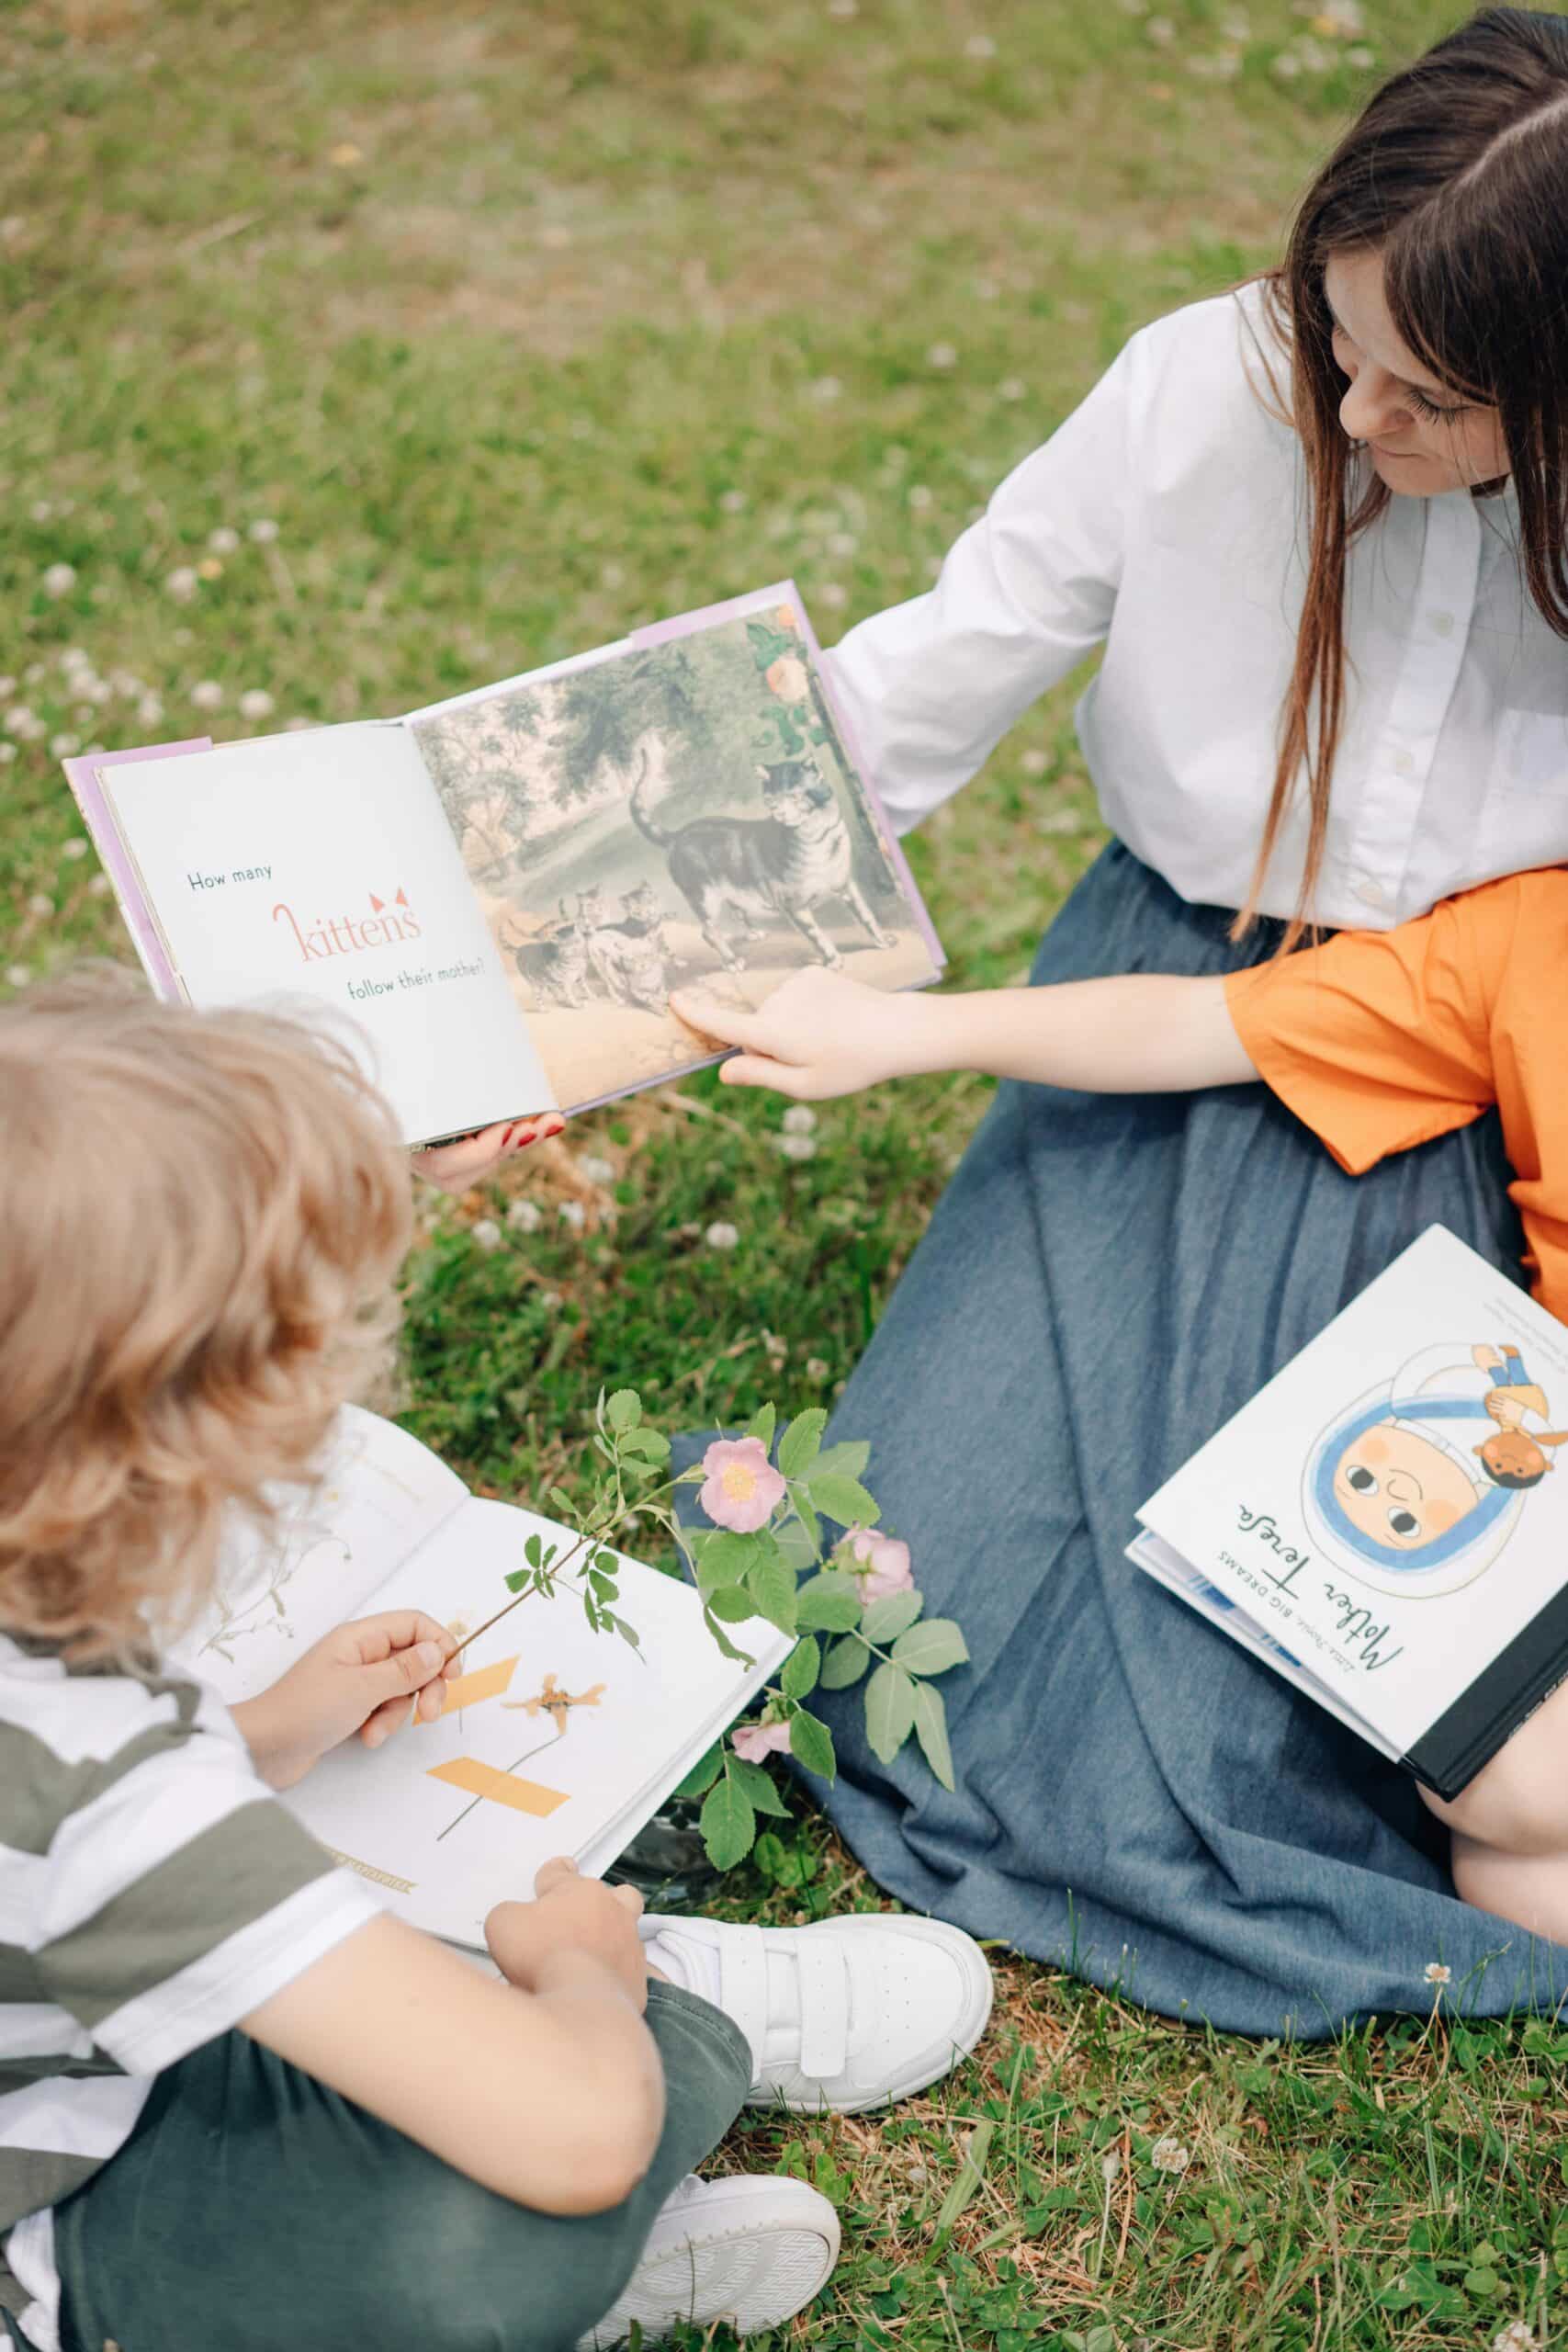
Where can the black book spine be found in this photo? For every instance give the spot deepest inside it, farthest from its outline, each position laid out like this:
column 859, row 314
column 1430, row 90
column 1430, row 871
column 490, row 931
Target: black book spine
column 1451, row 1751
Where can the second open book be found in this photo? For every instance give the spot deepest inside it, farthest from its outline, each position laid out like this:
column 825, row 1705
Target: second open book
column 555, row 1740
column 501, row 891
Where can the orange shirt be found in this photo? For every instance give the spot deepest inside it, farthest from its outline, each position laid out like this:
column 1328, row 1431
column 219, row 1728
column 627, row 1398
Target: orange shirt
column 1380, row 1040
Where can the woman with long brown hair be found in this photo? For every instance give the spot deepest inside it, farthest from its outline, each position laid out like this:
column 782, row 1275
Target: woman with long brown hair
column 1319, row 527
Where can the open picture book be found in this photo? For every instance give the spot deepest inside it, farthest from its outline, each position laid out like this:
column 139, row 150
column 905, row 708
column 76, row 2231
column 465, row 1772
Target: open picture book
column 1386, row 1522
column 502, row 890
column 555, row 1739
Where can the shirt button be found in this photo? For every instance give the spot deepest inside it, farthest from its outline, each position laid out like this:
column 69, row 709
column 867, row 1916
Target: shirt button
column 1403, row 763
column 1371, row 894
column 1442, row 624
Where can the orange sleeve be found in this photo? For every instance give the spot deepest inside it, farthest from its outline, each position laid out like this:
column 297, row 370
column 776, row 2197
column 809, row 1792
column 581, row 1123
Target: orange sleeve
column 1381, row 1040
column 1527, row 1057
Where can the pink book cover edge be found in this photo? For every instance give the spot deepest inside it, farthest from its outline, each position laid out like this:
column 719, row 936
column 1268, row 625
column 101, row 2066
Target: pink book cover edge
column 82, row 777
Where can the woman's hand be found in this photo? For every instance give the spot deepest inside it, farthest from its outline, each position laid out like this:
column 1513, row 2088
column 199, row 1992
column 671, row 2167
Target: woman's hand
column 456, row 1166
column 374, row 1676
column 817, row 1035
column 570, row 1916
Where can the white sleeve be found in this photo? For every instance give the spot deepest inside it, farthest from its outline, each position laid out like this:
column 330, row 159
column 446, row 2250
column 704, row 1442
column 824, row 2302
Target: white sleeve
column 930, row 687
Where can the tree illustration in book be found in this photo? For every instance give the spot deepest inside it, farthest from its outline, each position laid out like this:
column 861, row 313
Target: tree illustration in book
column 674, row 811
column 1417, row 1486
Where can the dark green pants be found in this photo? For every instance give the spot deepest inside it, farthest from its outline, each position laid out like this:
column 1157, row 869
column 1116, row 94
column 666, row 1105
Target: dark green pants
column 254, row 2211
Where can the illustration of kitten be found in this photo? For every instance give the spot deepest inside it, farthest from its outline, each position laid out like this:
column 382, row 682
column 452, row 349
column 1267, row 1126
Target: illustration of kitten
column 631, row 955
column 736, row 871
column 556, row 965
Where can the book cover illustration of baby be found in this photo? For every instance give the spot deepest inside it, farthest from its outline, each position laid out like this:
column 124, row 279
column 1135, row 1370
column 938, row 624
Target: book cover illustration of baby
column 1417, row 1486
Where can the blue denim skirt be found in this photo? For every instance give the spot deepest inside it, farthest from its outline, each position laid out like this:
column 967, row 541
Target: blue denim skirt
column 1106, row 1280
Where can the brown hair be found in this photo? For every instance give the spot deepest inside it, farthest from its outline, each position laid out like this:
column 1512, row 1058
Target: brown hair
column 200, row 1218
column 1457, row 171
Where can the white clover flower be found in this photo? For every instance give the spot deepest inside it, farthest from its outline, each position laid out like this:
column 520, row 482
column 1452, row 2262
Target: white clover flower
column 223, row 541
column 733, row 501
column 825, row 388
column 41, row 904
column 843, row 543
column 263, row 530
column 60, row 580
column 920, row 497
column 298, row 725
column 96, row 690
column 74, row 657
column 181, row 584
column 797, row 1146
column 1287, row 65
column 22, row 723
column 572, row 1213
column 150, row 710
column 126, row 683
column 800, row 1119
column 1361, row 58
column 597, row 1171
column 831, row 592
column 720, row 1236
column 1168, row 2155
column 17, row 976
column 256, row 703
column 40, row 510
column 75, row 847
column 485, row 1233
column 942, row 355
column 207, row 694
column 979, row 45
column 64, row 747
column 524, row 1216
column 843, row 7
column 1514, row 2338
column 99, row 886
column 1034, row 763
column 816, row 1371
column 1436, row 1973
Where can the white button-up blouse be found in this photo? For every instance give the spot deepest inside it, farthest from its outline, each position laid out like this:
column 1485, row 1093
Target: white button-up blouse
column 1165, row 521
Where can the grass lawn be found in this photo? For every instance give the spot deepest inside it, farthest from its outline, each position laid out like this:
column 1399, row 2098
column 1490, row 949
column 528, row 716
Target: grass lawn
column 359, row 352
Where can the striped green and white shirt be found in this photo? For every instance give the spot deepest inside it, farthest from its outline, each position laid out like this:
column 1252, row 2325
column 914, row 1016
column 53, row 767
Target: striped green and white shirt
column 153, row 1892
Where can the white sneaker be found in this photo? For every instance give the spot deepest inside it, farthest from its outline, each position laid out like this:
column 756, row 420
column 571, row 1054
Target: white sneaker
column 750, row 2251
column 847, row 2014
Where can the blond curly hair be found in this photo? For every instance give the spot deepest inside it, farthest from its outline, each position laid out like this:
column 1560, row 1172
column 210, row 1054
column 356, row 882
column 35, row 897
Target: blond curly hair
column 201, row 1216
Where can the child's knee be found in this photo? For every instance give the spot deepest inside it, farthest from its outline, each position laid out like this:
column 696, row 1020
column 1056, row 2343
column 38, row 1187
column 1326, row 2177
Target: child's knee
column 1519, row 1804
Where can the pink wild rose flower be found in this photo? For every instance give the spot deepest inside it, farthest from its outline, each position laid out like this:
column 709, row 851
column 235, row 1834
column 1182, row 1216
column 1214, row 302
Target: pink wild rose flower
column 880, row 1563
column 754, row 1742
column 740, row 1484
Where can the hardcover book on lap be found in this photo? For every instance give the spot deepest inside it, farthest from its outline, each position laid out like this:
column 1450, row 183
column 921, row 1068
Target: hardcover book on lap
column 1386, row 1522
column 502, row 890
column 555, row 1739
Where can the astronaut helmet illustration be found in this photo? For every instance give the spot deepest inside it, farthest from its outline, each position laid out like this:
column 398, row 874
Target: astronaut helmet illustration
column 1395, row 1489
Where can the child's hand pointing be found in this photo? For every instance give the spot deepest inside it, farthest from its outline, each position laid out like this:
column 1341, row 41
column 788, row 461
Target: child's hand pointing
column 818, row 1035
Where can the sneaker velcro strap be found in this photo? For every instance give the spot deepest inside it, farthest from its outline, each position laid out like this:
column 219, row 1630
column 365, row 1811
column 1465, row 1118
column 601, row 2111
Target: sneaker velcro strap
column 823, row 1981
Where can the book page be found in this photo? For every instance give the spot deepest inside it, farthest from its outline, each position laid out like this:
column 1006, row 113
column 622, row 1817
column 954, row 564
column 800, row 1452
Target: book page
column 555, row 1740
column 681, row 807
column 1363, row 1508
column 316, row 870
column 379, row 1495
